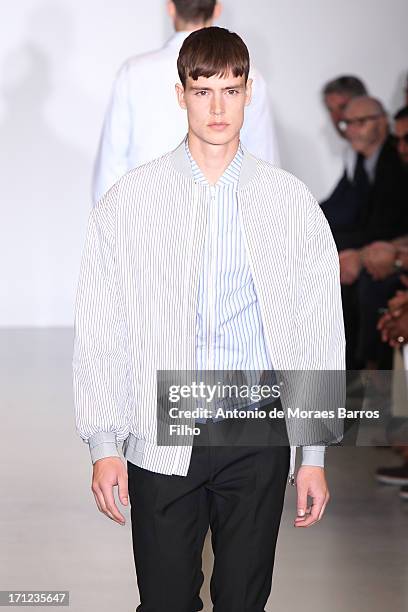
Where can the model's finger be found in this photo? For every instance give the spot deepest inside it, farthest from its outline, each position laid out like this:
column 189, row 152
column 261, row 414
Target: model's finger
column 97, row 491
column 326, row 501
column 314, row 515
column 107, row 491
column 301, row 501
column 123, row 489
column 97, row 501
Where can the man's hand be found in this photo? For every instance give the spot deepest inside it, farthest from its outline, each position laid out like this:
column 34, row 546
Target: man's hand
column 394, row 327
column 398, row 302
column 310, row 480
column 350, row 266
column 107, row 473
column 378, row 259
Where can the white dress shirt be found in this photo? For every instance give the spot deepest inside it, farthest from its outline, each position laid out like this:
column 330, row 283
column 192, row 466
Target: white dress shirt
column 145, row 121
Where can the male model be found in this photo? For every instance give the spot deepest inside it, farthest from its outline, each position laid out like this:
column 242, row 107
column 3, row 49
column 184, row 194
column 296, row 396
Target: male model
column 143, row 119
column 206, row 258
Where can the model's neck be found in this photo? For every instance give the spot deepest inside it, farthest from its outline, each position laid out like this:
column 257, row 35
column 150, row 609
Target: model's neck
column 212, row 159
column 182, row 26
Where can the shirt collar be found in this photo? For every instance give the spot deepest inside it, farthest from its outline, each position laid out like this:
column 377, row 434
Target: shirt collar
column 177, row 38
column 230, row 175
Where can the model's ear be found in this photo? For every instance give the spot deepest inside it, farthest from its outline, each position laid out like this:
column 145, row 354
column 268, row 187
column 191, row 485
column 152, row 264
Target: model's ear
column 180, row 95
column 248, row 92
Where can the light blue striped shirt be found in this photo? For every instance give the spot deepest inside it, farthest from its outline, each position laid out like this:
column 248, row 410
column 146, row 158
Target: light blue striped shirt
column 229, row 329
column 230, row 335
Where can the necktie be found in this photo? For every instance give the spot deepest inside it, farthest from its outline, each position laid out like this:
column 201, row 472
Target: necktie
column 360, row 180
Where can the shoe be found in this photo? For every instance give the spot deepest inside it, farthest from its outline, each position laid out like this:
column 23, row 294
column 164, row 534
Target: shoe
column 404, row 493
column 397, row 476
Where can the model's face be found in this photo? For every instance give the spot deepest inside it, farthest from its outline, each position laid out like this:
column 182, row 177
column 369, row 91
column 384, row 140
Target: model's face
column 401, row 133
column 336, row 105
column 215, row 106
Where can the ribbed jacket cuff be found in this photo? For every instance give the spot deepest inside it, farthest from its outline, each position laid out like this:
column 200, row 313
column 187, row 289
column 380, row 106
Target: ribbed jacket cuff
column 103, row 444
column 313, row 455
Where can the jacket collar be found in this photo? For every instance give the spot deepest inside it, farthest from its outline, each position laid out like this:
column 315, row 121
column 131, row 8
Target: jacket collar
column 181, row 163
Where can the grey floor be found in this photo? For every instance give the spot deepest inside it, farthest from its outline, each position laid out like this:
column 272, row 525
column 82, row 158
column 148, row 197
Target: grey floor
column 52, row 536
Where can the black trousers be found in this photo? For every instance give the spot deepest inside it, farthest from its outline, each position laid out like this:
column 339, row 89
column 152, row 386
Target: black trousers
column 236, row 490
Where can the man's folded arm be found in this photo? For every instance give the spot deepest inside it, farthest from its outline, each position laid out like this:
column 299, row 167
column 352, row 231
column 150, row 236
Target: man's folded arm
column 100, row 365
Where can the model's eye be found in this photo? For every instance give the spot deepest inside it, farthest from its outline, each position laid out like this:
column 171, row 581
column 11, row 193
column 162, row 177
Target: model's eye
column 232, row 91
column 199, row 93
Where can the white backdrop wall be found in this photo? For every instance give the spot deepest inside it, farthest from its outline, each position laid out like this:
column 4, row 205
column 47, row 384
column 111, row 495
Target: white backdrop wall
column 58, row 59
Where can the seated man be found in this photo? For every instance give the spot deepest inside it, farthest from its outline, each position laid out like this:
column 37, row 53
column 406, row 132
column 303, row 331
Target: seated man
column 370, row 206
column 336, row 94
column 381, row 259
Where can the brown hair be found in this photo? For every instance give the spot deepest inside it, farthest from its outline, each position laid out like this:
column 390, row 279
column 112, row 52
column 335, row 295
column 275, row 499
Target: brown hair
column 212, row 51
column 195, row 11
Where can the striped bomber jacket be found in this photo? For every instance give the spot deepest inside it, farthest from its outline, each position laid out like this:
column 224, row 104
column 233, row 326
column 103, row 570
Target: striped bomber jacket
column 137, row 297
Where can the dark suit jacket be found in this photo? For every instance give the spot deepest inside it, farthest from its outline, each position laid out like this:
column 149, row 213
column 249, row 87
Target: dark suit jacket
column 382, row 214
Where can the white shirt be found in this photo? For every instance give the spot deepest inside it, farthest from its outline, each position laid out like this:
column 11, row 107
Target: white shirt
column 145, row 121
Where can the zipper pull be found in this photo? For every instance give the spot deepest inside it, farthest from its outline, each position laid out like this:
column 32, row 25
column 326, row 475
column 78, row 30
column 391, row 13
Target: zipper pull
column 291, row 478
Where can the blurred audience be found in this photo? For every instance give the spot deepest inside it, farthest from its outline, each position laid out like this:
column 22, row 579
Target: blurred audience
column 368, row 206
column 381, row 259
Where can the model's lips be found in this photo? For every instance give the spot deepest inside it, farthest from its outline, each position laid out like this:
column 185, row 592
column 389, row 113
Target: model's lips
column 218, row 126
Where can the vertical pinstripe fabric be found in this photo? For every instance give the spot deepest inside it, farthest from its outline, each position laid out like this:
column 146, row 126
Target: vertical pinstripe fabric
column 136, row 309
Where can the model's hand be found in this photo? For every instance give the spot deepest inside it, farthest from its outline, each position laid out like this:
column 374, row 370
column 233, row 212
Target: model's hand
column 107, row 473
column 310, row 480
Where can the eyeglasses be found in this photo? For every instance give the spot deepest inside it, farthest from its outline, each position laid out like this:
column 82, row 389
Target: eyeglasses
column 357, row 121
column 398, row 139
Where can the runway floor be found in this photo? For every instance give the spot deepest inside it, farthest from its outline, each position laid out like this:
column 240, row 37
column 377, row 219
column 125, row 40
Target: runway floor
column 52, row 537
